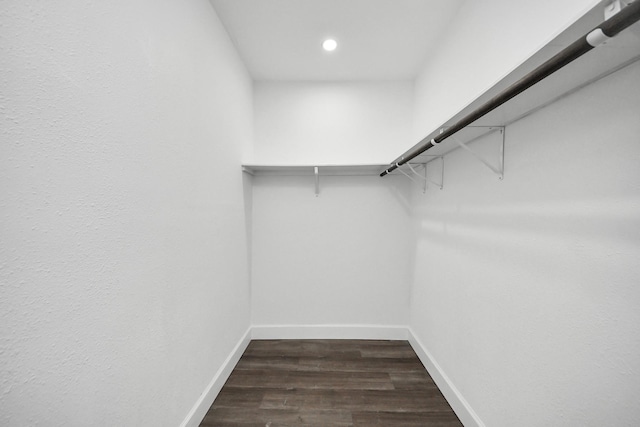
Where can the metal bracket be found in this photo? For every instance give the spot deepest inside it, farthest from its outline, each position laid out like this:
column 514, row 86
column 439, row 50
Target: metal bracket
column 418, row 173
column 440, row 184
column 498, row 170
column 422, row 178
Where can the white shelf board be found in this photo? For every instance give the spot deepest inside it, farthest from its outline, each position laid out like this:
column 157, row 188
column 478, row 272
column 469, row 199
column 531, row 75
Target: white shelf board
column 323, row 169
column 616, row 53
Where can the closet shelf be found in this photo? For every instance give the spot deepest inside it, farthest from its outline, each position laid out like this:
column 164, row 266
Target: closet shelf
column 310, row 169
column 616, row 53
column 315, row 171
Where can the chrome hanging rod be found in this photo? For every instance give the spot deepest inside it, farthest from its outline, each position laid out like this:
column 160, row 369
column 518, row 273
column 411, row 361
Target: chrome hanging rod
column 607, row 29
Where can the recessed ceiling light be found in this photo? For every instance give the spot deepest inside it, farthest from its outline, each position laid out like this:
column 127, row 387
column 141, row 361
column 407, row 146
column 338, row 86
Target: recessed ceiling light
column 329, row 45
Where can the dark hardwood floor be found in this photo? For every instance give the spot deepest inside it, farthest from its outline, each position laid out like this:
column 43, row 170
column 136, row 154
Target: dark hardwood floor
column 330, row 383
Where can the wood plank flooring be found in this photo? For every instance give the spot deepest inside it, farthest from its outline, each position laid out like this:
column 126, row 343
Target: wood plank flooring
column 330, row 383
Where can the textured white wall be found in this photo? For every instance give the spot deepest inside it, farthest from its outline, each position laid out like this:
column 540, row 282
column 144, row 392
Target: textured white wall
column 322, row 260
column 348, row 122
column 123, row 268
column 526, row 290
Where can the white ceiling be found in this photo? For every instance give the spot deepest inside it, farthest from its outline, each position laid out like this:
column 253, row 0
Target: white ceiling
column 377, row 39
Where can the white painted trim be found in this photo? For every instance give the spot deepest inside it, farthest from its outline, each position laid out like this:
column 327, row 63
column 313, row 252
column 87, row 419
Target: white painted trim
column 372, row 332
column 199, row 410
column 460, row 406
column 361, row 332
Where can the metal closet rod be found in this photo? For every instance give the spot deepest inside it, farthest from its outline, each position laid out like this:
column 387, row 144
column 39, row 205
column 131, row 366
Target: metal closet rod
column 607, row 29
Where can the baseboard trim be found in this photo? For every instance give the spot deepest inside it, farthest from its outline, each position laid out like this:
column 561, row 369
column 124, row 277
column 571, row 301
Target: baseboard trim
column 460, row 406
column 199, row 410
column 362, row 332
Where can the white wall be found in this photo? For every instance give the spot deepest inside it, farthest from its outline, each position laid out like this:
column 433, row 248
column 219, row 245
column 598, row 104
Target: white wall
column 123, row 268
column 318, row 261
column 331, row 122
column 486, row 41
column 526, row 290
column 341, row 258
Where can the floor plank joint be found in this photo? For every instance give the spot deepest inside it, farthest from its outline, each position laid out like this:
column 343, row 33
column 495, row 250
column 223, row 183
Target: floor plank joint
column 330, row 383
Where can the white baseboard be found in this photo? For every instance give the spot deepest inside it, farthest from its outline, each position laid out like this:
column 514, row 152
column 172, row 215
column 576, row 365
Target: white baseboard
column 362, row 332
column 199, row 410
column 460, row 406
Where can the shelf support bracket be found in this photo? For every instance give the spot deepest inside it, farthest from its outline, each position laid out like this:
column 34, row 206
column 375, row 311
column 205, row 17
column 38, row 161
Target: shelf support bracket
column 317, row 176
column 421, row 179
column 423, row 176
column 498, row 170
column 440, row 184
